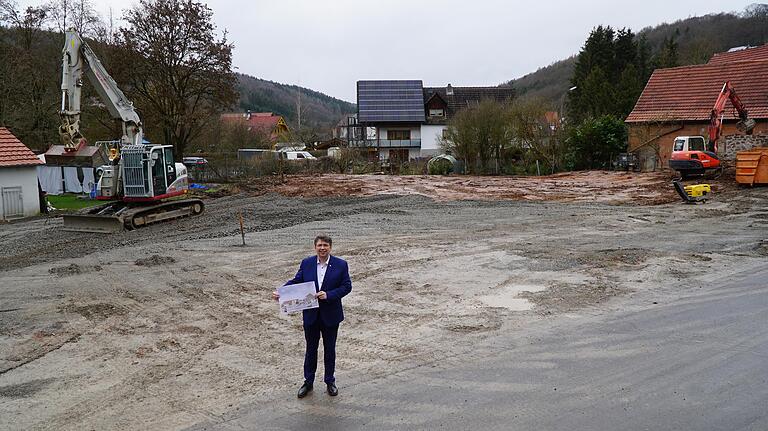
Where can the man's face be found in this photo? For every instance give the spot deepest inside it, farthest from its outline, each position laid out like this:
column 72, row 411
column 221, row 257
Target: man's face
column 323, row 249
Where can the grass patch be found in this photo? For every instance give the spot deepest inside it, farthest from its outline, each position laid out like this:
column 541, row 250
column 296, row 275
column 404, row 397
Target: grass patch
column 68, row 202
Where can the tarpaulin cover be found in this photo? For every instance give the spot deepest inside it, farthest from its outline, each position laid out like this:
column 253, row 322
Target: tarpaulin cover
column 50, row 179
column 72, row 183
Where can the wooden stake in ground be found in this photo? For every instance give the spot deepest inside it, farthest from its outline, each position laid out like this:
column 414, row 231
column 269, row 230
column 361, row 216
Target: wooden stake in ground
column 242, row 231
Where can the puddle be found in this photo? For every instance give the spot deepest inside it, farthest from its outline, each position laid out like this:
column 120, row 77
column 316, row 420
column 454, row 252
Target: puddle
column 506, row 297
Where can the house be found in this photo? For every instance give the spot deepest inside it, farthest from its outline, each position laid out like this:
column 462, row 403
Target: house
column 678, row 102
column 268, row 125
column 400, row 120
column 346, row 128
column 19, row 194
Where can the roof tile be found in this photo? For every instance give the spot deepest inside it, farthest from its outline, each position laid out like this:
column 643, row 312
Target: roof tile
column 14, row 153
column 749, row 54
column 689, row 92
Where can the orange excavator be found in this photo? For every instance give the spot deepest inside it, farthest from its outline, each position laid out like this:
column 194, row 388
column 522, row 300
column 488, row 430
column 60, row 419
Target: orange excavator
column 693, row 155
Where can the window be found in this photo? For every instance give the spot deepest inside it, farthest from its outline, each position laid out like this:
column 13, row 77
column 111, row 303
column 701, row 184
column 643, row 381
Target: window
column 399, row 135
column 436, row 113
column 696, row 144
column 679, row 143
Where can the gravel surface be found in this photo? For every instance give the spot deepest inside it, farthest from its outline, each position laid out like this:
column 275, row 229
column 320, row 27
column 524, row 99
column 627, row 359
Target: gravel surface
column 171, row 325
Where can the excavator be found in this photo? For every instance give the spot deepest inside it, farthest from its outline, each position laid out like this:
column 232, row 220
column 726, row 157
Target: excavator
column 140, row 179
column 693, row 155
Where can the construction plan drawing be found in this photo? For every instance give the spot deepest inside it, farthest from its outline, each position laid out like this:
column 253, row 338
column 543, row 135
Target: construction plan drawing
column 297, row 297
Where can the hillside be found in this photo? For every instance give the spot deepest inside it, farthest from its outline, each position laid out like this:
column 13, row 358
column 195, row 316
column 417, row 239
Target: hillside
column 319, row 111
column 697, row 39
column 30, row 92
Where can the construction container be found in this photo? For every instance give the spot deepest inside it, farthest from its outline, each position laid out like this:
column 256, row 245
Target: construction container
column 752, row 166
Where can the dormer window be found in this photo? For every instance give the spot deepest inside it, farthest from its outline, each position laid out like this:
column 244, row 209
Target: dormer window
column 436, row 113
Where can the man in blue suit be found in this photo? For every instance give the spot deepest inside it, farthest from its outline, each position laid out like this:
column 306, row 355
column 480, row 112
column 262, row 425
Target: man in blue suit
column 332, row 282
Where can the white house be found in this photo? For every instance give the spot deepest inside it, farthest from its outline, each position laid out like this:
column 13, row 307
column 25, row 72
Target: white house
column 19, row 195
column 404, row 120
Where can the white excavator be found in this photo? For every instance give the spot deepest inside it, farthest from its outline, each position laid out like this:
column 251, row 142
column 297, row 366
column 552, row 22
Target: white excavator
column 140, row 179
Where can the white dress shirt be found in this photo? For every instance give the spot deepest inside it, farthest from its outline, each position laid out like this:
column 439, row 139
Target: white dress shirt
column 321, row 268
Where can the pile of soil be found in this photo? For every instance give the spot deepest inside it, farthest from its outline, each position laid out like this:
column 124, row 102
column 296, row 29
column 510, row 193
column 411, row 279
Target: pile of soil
column 155, row 260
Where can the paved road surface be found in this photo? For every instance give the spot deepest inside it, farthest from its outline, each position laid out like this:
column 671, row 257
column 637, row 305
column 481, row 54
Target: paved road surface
column 698, row 363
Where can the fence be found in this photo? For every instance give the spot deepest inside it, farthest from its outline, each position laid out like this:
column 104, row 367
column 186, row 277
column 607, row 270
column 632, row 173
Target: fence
column 230, row 169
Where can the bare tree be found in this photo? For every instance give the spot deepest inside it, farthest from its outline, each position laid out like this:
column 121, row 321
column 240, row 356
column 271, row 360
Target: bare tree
column 180, row 73
column 29, row 22
column 79, row 15
column 538, row 132
column 27, row 94
column 478, row 135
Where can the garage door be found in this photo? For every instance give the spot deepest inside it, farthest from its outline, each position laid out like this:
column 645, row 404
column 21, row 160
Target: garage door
column 13, row 205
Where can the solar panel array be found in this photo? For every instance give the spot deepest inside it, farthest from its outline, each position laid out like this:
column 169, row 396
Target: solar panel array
column 390, row 101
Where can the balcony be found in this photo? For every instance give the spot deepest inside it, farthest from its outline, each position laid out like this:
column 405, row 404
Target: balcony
column 386, row 143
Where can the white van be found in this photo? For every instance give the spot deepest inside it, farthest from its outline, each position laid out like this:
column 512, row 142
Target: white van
column 298, row 155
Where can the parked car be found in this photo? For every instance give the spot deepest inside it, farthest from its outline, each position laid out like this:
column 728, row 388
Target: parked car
column 194, row 161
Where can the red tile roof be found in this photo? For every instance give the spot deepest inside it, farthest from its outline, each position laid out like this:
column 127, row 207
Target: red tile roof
column 749, row 54
column 689, row 92
column 266, row 123
column 13, row 152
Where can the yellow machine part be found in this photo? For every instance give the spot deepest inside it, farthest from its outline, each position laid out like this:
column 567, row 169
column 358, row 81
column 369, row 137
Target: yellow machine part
column 752, row 166
column 697, row 190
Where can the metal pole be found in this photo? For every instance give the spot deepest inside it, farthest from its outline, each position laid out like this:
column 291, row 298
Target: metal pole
column 242, row 231
column 538, row 171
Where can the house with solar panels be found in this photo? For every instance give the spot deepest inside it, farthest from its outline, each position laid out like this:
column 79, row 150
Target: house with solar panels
column 404, row 120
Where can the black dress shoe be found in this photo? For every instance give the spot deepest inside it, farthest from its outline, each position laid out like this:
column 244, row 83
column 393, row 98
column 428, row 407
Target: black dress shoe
column 305, row 389
column 332, row 389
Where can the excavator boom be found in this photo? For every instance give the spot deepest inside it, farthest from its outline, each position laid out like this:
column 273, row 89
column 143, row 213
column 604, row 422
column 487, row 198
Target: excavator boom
column 140, row 178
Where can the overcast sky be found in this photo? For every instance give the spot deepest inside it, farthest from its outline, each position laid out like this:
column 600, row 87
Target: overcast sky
column 328, row 45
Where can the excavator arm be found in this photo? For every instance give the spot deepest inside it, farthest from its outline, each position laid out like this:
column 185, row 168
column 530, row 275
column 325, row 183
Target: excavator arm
column 77, row 59
column 745, row 124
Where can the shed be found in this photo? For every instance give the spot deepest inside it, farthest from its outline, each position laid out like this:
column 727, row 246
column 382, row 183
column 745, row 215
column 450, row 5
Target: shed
column 19, row 193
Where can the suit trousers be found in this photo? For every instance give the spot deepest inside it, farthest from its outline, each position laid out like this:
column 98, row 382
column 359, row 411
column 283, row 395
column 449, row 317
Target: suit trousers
column 312, row 334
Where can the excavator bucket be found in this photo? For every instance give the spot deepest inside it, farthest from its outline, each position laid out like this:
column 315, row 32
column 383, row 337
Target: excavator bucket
column 746, row 126
column 93, row 223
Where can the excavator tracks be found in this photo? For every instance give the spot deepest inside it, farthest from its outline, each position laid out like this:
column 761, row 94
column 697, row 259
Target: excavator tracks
column 119, row 216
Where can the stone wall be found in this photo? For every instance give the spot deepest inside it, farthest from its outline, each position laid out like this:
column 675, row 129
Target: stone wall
column 731, row 144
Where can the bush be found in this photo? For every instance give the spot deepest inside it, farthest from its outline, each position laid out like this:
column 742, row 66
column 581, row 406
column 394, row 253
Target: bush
column 441, row 167
column 594, row 143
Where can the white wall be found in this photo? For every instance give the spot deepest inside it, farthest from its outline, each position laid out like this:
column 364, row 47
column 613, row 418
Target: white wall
column 430, row 139
column 26, row 177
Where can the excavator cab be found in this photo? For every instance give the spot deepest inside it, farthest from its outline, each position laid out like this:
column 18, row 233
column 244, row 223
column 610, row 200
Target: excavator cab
column 693, row 155
column 149, row 173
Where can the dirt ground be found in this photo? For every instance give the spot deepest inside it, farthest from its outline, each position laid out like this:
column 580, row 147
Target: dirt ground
column 172, row 325
column 589, row 186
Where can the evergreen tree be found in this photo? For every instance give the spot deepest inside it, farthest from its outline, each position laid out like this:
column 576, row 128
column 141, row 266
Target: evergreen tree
column 668, row 55
column 609, row 75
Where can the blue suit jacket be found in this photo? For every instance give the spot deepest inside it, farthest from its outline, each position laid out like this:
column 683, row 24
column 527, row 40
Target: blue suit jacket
column 336, row 285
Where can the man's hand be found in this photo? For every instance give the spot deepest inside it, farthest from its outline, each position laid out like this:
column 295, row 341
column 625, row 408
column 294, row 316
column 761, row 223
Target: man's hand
column 275, row 295
column 321, row 295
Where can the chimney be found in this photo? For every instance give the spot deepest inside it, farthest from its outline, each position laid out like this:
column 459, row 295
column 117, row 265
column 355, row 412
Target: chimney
column 449, row 90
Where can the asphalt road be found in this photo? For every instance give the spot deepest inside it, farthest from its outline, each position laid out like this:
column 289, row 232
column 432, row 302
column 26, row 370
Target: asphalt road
column 697, row 363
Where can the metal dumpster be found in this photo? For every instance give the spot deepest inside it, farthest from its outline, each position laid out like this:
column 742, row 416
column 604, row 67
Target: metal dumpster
column 752, row 166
